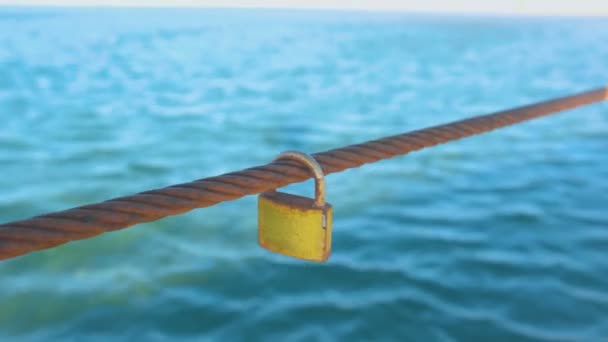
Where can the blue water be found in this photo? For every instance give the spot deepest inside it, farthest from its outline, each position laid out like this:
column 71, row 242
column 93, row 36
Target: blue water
column 497, row 237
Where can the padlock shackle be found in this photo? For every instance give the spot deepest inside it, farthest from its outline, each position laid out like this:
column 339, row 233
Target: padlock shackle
column 316, row 169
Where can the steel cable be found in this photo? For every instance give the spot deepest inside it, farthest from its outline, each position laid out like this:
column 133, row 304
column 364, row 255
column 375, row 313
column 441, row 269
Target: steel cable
column 53, row 229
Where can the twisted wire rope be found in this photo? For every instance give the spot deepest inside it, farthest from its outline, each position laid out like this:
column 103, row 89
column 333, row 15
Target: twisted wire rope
column 53, row 229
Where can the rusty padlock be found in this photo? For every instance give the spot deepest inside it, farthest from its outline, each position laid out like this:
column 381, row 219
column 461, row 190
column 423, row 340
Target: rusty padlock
column 293, row 225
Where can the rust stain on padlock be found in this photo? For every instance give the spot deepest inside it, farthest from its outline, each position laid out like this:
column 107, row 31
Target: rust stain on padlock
column 293, row 225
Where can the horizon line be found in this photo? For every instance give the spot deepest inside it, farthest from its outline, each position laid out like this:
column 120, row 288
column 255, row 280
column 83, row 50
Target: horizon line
column 381, row 9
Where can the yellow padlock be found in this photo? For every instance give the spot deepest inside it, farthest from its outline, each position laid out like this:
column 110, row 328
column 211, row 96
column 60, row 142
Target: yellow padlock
column 293, row 225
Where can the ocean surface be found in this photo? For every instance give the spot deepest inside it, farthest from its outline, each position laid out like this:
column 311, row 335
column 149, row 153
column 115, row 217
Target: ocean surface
column 498, row 237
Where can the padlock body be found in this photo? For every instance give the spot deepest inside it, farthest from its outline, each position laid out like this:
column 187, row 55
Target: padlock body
column 291, row 225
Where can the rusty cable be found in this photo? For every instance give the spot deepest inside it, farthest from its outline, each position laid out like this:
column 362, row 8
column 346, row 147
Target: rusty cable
column 53, row 229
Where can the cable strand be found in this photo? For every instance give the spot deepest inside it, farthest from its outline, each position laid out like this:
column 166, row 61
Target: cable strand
column 53, row 229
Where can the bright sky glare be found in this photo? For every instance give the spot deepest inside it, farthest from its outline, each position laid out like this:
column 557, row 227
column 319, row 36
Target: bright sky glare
column 543, row 7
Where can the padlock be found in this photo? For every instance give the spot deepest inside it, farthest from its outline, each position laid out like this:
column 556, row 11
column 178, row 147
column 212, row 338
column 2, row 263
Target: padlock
column 293, row 225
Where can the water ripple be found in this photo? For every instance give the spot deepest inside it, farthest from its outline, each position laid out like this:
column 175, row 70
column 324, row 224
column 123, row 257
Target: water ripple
column 497, row 237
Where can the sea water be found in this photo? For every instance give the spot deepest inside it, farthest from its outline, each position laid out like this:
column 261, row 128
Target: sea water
column 496, row 237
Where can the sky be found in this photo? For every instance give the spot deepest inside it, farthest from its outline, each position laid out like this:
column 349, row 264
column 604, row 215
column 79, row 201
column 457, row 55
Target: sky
column 542, row 7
